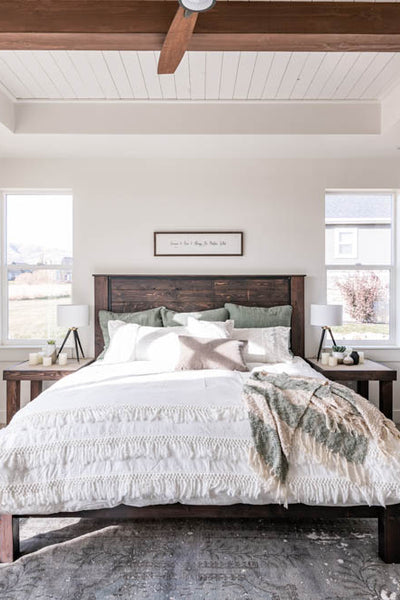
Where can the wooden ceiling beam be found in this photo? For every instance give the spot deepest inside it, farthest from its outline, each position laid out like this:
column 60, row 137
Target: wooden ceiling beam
column 247, row 26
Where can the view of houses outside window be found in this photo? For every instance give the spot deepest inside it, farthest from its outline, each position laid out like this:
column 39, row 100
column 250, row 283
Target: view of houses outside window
column 38, row 230
column 360, row 263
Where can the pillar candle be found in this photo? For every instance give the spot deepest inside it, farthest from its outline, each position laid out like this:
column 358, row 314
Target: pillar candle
column 325, row 358
column 62, row 359
column 33, row 358
column 332, row 361
column 47, row 361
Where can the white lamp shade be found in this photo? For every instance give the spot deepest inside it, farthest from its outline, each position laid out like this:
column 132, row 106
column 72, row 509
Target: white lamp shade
column 197, row 5
column 72, row 315
column 326, row 315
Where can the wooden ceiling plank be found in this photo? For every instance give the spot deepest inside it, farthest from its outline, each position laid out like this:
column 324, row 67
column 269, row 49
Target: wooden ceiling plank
column 276, row 74
column 55, row 74
column 197, row 68
column 230, row 65
column 354, row 74
column 260, row 74
column 337, row 76
column 148, row 65
column 291, row 75
column 385, row 80
column 11, row 81
column 229, row 26
column 103, row 75
column 119, row 74
column 34, row 67
column 245, row 71
column 92, row 88
column 135, row 75
column 15, row 61
column 213, row 74
column 322, row 75
column 182, row 81
column 310, row 68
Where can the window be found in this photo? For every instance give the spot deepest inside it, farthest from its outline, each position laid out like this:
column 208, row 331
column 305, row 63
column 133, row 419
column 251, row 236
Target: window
column 360, row 262
column 36, row 264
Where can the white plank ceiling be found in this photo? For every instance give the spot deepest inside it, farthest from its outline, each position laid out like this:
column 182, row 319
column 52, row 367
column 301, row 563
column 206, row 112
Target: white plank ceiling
column 113, row 75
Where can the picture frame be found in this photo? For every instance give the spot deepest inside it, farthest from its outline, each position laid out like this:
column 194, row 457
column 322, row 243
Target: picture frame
column 198, row 243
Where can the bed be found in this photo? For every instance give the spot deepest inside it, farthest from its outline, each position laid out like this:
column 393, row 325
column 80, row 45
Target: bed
column 238, row 497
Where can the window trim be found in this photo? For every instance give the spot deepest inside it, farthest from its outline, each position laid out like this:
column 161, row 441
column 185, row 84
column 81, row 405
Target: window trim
column 338, row 243
column 20, row 342
column 392, row 268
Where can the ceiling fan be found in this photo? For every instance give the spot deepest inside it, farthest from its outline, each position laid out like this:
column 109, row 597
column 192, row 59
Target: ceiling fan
column 177, row 39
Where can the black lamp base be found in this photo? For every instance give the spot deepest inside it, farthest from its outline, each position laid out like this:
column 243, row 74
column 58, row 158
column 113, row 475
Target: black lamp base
column 78, row 345
column 321, row 343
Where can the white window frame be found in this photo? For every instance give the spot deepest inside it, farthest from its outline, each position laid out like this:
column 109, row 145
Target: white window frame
column 354, row 242
column 4, row 341
column 392, row 268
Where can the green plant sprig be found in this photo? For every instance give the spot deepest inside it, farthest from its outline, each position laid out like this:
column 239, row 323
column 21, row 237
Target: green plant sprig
column 338, row 348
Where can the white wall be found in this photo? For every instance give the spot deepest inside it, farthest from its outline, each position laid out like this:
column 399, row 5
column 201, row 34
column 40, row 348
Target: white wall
column 279, row 204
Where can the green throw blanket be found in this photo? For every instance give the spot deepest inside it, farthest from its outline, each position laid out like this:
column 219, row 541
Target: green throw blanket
column 326, row 420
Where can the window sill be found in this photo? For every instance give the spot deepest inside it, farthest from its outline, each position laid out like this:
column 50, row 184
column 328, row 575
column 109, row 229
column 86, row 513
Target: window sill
column 357, row 344
column 19, row 346
column 390, row 347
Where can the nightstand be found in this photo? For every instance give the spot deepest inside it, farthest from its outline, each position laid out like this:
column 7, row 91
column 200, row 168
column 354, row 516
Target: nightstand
column 363, row 374
column 36, row 375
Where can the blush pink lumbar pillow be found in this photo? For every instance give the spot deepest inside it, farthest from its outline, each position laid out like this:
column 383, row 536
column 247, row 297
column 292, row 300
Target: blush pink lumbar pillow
column 205, row 353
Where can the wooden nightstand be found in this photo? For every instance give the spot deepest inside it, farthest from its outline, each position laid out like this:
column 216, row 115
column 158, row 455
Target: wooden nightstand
column 363, row 374
column 36, row 375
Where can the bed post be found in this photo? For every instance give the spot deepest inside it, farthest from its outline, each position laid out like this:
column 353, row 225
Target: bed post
column 9, row 538
column 101, row 302
column 389, row 534
column 297, row 302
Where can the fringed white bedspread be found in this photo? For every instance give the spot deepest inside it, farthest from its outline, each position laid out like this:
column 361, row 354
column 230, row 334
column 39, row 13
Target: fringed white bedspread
column 130, row 434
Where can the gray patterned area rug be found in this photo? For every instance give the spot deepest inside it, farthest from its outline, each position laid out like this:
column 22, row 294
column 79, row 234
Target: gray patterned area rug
column 76, row 559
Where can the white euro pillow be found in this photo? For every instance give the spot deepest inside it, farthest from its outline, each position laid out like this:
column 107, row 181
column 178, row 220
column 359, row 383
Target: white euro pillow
column 265, row 344
column 209, row 329
column 129, row 342
column 159, row 344
column 122, row 347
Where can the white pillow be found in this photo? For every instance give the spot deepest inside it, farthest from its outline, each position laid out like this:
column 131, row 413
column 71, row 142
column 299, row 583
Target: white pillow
column 122, row 347
column 210, row 329
column 130, row 342
column 159, row 344
column 265, row 344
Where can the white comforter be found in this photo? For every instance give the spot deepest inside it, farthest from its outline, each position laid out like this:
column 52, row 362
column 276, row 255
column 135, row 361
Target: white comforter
column 130, row 434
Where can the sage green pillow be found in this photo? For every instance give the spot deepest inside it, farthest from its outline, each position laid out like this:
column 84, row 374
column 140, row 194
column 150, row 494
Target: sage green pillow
column 256, row 316
column 171, row 318
column 150, row 318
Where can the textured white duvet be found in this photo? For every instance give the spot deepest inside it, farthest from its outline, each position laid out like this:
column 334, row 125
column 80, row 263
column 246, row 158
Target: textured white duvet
column 128, row 433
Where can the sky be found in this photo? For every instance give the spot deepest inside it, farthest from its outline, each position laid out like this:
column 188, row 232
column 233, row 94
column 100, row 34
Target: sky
column 41, row 220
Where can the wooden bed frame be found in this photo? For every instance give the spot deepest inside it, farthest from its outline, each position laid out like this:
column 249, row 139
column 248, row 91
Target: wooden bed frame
column 130, row 293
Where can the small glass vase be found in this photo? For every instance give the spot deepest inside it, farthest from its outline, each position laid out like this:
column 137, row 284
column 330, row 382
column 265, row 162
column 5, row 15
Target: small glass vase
column 50, row 350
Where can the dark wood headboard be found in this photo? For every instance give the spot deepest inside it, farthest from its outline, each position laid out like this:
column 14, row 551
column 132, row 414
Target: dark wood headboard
column 130, row 293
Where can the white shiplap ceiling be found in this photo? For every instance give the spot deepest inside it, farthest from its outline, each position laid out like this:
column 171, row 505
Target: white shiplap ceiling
column 113, row 75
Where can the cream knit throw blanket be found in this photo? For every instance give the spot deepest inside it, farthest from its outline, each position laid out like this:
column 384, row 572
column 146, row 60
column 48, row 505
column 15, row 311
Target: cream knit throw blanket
column 323, row 419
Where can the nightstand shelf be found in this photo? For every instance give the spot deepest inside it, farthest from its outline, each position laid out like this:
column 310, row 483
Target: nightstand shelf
column 363, row 374
column 36, row 375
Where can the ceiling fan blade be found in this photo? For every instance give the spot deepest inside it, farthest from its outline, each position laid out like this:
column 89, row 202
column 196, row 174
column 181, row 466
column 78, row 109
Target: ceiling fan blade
column 176, row 41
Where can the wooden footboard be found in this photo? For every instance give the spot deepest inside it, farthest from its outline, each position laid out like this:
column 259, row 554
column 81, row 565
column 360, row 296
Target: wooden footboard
column 388, row 519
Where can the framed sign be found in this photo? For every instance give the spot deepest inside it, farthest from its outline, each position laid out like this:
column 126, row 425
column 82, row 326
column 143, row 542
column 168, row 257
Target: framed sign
column 198, row 243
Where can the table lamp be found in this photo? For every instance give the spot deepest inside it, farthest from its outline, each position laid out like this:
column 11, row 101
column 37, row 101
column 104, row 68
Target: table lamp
column 73, row 316
column 326, row 316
